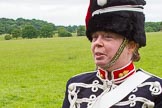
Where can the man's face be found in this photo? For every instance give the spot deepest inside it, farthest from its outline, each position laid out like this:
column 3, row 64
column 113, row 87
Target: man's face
column 104, row 46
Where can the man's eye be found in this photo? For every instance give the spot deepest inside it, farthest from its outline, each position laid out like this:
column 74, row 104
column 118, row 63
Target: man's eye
column 107, row 36
column 94, row 36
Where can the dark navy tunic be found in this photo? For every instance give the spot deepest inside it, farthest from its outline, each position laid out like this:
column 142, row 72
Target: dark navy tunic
column 83, row 90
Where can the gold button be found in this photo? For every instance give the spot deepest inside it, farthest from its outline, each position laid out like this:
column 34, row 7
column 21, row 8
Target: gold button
column 101, row 76
column 125, row 72
column 121, row 75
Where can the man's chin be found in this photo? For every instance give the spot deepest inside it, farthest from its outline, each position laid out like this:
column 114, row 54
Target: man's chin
column 103, row 66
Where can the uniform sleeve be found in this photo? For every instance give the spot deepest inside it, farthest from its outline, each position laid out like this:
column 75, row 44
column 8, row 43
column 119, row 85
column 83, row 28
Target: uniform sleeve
column 66, row 103
column 158, row 102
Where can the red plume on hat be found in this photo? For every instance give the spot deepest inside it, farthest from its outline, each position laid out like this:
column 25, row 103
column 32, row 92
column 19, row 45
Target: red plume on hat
column 89, row 14
column 124, row 17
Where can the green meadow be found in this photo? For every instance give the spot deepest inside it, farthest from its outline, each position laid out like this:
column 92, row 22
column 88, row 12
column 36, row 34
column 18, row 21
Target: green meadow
column 34, row 72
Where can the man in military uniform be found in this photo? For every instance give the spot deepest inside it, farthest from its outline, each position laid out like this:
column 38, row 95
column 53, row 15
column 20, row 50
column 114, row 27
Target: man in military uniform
column 116, row 31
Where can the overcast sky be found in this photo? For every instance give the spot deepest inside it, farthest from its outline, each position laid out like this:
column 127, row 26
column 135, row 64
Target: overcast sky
column 63, row 12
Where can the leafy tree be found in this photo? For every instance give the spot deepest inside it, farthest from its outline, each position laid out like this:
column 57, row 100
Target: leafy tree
column 2, row 29
column 20, row 21
column 46, row 31
column 7, row 37
column 149, row 29
column 160, row 26
column 71, row 29
column 62, row 32
column 7, row 25
column 152, row 26
column 16, row 33
column 81, row 31
column 29, row 32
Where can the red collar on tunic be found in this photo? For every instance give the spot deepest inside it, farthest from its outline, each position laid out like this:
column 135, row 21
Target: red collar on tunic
column 118, row 75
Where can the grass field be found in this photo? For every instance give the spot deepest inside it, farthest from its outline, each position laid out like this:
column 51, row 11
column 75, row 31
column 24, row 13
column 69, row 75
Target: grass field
column 34, row 71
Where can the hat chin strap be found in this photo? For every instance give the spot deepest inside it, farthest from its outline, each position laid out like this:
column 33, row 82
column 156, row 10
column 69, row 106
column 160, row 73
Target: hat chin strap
column 117, row 54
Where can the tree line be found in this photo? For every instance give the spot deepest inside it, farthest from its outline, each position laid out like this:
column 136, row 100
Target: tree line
column 34, row 28
column 153, row 26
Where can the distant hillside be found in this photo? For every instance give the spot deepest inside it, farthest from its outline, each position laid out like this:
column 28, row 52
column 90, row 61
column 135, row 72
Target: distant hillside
column 7, row 26
column 34, row 28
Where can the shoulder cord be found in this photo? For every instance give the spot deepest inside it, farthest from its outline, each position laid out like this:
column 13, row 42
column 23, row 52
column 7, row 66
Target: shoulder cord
column 155, row 89
column 73, row 93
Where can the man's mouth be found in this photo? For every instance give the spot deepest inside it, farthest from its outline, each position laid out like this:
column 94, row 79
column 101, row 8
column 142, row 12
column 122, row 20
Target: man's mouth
column 98, row 55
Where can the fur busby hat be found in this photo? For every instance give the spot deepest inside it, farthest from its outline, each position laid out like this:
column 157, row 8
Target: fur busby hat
column 124, row 17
